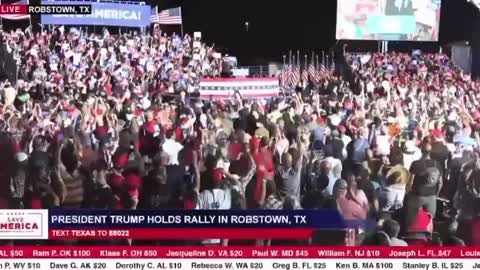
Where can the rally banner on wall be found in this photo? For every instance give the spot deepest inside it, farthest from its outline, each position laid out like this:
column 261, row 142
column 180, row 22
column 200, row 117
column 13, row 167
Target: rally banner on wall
column 247, row 87
column 111, row 14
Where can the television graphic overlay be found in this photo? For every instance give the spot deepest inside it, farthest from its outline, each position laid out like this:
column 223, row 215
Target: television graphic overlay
column 23, row 224
column 402, row 20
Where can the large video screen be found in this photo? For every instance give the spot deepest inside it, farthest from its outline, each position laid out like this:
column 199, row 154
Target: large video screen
column 412, row 20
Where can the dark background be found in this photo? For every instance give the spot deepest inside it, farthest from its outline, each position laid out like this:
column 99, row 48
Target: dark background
column 276, row 27
column 279, row 26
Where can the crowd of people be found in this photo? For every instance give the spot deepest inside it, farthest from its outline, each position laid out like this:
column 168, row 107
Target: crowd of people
column 115, row 121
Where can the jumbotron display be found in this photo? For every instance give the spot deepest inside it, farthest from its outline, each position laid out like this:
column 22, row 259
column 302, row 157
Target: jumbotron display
column 409, row 20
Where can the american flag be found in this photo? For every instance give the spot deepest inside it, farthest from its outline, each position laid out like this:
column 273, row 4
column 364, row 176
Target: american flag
column 311, row 72
column 169, row 16
column 322, row 72
column 332, row 68
column 305, row 75
column 17, row 17
column 296, row 75
column 289, row 75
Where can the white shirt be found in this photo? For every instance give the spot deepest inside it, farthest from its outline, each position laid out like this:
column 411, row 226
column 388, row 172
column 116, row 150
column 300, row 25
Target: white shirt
column 172, row 148
column 217, row 199
column 383, row 145
column 346, row 140
column 408, row 159
column 335, row 173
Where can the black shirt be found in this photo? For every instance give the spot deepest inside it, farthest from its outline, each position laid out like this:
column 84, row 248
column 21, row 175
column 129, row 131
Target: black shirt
column 154, row 193
column 427, row 174
column 440, row 153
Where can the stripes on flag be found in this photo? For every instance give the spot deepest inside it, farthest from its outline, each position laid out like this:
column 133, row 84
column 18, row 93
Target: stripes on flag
column 296, row 75
column 311, row 72
column 169, row 16
column 322, row 72
column 289, row 74
column 17, row 17
column 305, row 75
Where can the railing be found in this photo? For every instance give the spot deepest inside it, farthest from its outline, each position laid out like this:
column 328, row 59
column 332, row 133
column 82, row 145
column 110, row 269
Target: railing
column 258, row 71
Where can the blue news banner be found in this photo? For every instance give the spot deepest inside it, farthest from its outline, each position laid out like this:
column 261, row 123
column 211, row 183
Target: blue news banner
column 126, row 14
column 193, row 224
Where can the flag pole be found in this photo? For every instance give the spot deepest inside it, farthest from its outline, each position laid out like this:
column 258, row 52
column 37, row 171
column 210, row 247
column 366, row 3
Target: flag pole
column 284, row 61
column 181, row 18
column 290, row 58
column 298, row 59
column 327, row 67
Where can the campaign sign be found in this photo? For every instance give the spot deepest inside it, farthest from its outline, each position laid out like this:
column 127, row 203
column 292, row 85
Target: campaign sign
column 23, row 224
column 111, row 14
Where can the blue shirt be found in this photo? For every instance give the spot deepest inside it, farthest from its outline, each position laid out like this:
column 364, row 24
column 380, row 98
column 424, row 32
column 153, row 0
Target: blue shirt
column 359, row 150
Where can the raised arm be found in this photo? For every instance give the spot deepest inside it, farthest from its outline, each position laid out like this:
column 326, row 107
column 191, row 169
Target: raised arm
column 59, row 163
column 196, row 171
column 301, row 151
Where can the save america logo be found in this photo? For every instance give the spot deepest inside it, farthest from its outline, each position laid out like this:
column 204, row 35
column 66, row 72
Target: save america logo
column 23, row 224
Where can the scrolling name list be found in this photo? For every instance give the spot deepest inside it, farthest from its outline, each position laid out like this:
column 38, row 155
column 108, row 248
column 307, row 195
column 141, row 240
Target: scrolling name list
column 178, row 219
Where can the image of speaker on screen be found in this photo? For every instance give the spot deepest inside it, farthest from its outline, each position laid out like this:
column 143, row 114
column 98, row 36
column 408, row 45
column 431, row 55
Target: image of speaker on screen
column 416, row 20
column 399, row 7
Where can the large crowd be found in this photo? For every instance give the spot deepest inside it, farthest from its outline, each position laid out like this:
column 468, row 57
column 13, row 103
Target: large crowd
column 115, row 121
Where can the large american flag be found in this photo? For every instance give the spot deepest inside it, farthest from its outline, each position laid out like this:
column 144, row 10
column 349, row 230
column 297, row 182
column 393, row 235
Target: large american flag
column 17, row 17
column 169, row 16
